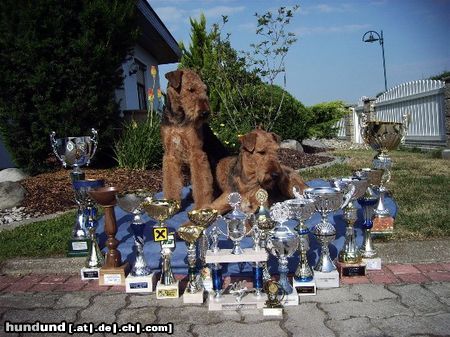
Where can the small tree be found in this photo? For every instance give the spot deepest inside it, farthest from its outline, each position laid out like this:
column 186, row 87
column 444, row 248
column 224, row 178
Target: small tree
column 59, row 65
column 324, row 119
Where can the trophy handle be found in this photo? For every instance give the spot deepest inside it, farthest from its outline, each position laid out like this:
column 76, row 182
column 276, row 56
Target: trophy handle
column 94, row 139
column 348, row 196
column 296, row 192
column 54, row 144
column 406, row 119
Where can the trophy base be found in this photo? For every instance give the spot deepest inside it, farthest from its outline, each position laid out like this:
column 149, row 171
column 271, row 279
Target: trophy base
column 90, row 273
column 305, row 288
column 327, row 280
column 139, row 284
column 113, row 276
column 196, row 298
column 78, row 248
column 167, row 291
column 373, row 263
column 228, row 302
column 273, row 312
column 382, row 225
column 351, row 270
column 291, row 299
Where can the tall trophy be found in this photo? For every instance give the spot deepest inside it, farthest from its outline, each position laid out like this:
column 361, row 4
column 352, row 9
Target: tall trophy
column 264, row 224
column 302, row 209
column 327, row 200
column 349, row 258
column 113, row 272
column 204, row 218
column 75, row 151
column 367, row 202
column 194, row 288
column 140, row 278
column 383, row 137
column 236, row 221
column 80, row 240
column 94, row 260
column 161, row 210
column 283, row 243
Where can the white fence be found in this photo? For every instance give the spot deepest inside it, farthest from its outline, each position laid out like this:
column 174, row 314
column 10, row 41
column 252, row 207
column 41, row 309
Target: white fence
column 424, row 102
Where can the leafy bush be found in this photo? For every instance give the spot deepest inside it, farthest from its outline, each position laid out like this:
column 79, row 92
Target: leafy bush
column 324, row 117
column 140, row 145
column 59, row 65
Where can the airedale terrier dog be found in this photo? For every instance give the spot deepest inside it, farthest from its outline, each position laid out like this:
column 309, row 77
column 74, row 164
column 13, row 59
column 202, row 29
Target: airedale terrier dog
column 187, row 139
column 257, row 166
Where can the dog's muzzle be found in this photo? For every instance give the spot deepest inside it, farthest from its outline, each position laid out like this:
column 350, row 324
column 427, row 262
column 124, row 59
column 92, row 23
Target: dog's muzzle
column 205, row 114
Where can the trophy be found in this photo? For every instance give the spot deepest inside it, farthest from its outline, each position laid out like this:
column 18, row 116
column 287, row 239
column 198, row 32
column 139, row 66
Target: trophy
column 327, row 200
column 140, row 279
column 194, row 289
column 350, row 258
column 75, row 151
column 161, row 210
column 383, row 137
column 273, row 305
column 282, row 243
column 236, row 223
column 204, row 218
column 367, row 202
column 95, row 260
column 113, row 272
column 302, row 209
column 264, row 224
column 80, row 241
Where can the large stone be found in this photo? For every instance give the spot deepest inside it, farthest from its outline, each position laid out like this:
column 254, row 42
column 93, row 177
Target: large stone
column 314, row 145
column 12, row 174
column 11, row 194
column 291, row 144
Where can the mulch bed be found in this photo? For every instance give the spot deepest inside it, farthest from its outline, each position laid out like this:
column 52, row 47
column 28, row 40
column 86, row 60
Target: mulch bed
column 52, row 192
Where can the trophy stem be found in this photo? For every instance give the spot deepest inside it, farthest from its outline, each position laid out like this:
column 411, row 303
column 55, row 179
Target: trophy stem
column 140, row 267
column 367, row 248
column 76, row 173
column 167, row 277
column 95, row 257
column 258, row 278
column 237, row 250
column 350, row 252
column 325, row 264
column 217, row 279
column 193, row 285
column 303, row 273
column 113, row 256
column 283, row 269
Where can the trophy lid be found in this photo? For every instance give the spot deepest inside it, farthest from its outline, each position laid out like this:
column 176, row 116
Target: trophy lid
column 234, row 199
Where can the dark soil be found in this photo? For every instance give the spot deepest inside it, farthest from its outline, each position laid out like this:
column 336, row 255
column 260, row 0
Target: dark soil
column 52, row 192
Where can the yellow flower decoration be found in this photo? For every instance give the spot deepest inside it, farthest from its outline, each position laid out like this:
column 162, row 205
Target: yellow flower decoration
column 153, row 71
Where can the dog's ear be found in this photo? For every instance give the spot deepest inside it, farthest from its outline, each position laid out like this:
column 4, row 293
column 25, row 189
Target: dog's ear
column 276, row 137
column 248, row 141
column 174, row 78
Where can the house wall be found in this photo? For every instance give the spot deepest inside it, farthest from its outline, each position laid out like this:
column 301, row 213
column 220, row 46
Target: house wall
column 127, row 96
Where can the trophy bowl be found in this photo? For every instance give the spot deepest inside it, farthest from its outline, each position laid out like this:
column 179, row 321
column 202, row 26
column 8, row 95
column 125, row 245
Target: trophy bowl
column 190, row 232
column 203, row 217
column 383, row 136
column 301, row 208
column 373, row 176
column 131, row 201
column 161, row 209
column 360, row 184
column 104, row 196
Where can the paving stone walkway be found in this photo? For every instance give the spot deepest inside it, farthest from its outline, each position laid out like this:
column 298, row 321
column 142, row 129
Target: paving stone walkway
column 399, row 300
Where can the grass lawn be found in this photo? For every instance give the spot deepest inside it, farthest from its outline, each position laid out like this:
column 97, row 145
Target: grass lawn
column 420, row 184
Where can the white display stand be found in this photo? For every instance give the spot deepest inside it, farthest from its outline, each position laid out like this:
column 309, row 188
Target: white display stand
column 291, row 299
column 373, row 263
column 326, row 280
column 196, row 298
column 140, row 284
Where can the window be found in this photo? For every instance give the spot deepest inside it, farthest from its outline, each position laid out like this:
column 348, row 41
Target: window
column 140, row 79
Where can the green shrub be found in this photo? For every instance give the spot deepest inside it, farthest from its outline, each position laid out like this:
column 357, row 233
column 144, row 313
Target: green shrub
column 140, row 145
column 324, row 117
column 59, row 65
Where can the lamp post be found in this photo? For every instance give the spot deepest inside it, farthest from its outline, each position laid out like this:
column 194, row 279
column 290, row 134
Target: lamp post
column 371, row 38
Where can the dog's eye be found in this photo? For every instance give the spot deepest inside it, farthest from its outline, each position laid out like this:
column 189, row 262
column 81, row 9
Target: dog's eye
column 262, row 152
column 191, row 89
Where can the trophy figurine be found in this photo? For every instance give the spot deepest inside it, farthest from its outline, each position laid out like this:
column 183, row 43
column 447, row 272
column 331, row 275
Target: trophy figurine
column 95, row 260
column 140, row 279
column 161, row 210
column 273, row 306
column 367, row 202
column 264, row 224
column 75, row 151
column 302, row 209
column 113, row 272
column 350, row 258
column 282, row 243
column 383, row 137
column 80, row 240
column 194, row 289
column 204, row 218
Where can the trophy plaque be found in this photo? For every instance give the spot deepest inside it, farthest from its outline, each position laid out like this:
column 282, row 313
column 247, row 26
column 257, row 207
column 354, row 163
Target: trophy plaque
column 273, row 305
column 113, row 272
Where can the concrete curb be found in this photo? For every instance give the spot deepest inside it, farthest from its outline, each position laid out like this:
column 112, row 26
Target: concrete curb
column 16, row 224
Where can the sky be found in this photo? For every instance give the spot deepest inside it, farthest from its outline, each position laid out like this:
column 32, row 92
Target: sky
column 330, row 61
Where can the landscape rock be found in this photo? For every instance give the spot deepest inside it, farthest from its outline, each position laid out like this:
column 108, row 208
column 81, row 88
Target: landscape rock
column 291, row 144
column 314, row 145
column 11, row 194
column 12, row 174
